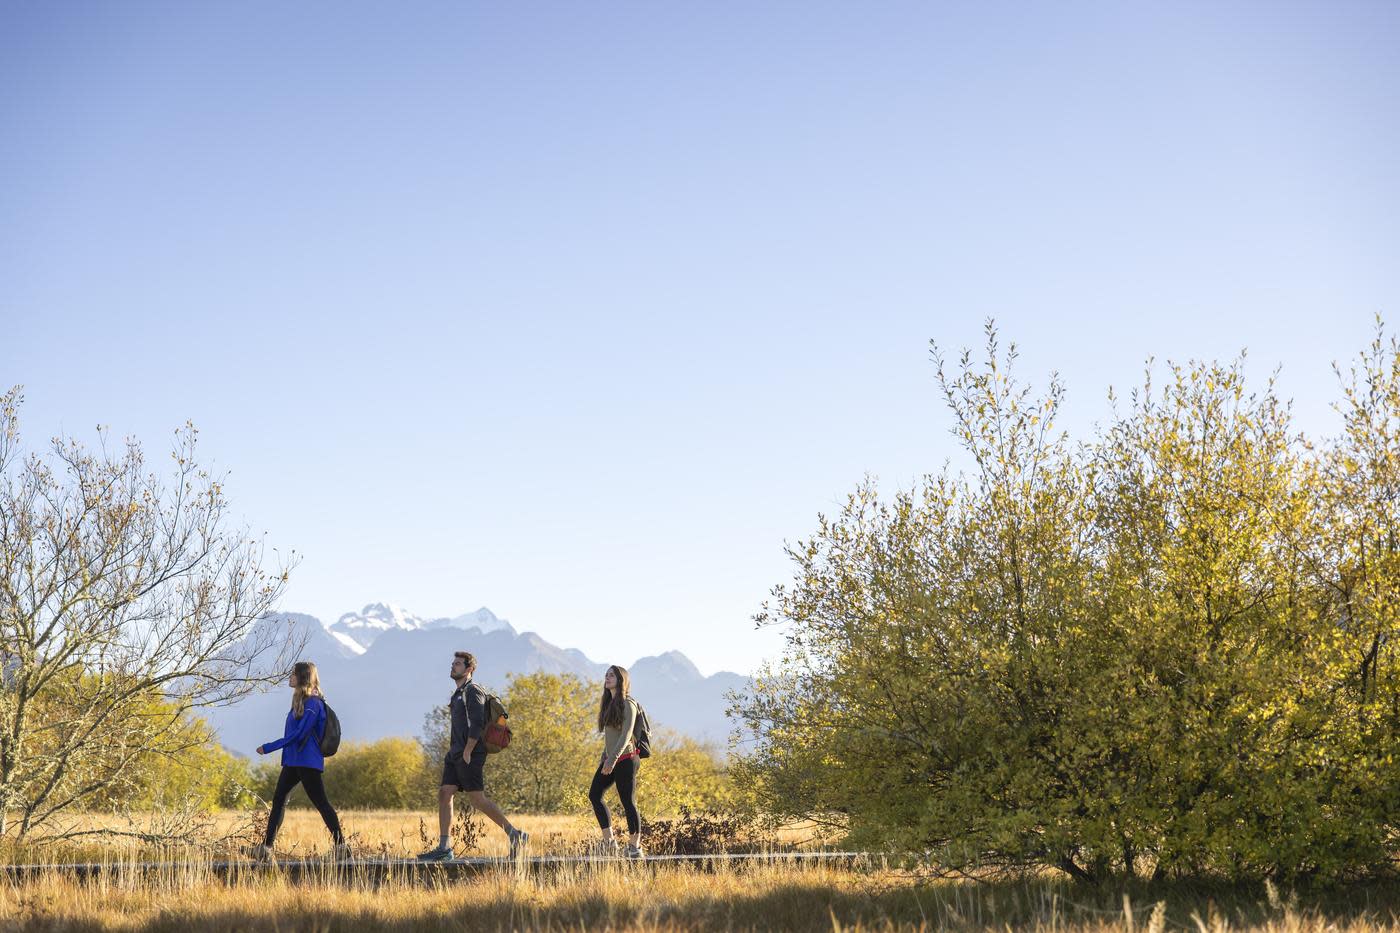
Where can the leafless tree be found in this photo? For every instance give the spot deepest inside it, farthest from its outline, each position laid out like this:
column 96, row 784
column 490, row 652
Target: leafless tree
column 127, row 603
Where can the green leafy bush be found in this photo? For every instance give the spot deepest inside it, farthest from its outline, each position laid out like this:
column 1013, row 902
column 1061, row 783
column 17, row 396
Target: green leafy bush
column 386, row 774
column 1168, row 650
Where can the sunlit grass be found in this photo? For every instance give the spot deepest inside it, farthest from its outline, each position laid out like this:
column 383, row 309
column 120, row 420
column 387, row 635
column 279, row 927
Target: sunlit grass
column 189, row 893
column 372, row 833
column 624, row 896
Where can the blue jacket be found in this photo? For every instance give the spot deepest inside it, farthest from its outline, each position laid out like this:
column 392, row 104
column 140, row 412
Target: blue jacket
column 300, row 739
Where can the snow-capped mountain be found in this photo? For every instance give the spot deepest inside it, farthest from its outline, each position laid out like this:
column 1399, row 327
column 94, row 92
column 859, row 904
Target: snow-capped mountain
column 385, row 686
column 483, row 620
column 363, row 627
column 350, row 645
column 356, row 631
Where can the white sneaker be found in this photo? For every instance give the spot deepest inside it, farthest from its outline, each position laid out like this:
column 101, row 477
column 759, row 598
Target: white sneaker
column 259, row 853
column 635, row 852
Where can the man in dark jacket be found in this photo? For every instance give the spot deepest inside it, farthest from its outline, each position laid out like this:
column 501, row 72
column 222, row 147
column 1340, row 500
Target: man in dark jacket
column 466, row 760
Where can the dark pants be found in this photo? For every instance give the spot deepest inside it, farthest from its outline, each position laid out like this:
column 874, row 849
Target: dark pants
column 624, row 775
column 309, row 778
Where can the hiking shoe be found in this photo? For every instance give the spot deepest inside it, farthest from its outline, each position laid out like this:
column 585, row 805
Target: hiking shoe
column 259, row 853
column 519, row 839
column 342, row 852
column 436, row 854
column 635, row 852
column 603, row 848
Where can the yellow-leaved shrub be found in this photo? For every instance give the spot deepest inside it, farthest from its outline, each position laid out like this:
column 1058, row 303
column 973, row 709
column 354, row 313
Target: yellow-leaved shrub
column 1167, row 650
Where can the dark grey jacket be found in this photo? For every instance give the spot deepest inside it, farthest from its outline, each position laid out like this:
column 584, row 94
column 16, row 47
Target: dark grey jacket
column 468, row 707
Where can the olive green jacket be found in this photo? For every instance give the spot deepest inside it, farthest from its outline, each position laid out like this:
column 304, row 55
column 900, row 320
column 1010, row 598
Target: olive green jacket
column 617, row 740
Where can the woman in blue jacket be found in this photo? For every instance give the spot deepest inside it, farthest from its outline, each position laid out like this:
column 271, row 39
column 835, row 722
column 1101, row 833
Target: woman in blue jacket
column 302, row 762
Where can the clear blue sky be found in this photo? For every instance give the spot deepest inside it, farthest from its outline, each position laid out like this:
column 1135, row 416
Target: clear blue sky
column 579, row 310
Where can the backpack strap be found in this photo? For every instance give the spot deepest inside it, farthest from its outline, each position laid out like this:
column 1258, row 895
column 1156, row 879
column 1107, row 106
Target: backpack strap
column 467, row 707
column 307, row 738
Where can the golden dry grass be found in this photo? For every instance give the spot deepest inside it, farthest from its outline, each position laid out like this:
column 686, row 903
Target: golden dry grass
column 632, row 897
column 397, row 833
column 386, row 833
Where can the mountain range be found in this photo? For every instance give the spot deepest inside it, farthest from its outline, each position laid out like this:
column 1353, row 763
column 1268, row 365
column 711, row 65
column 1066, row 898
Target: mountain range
column 383, row 669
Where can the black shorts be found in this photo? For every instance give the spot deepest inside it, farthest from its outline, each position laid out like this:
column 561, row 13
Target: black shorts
column 464, row 776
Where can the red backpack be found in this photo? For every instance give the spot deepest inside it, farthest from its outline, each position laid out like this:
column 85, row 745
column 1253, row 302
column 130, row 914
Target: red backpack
column 496, row 735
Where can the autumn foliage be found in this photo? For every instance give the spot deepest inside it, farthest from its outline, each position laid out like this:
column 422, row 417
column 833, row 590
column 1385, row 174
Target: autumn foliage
column 1169, row 649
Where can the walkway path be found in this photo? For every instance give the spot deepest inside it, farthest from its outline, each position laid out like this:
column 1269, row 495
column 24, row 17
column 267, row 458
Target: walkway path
column 379, row 870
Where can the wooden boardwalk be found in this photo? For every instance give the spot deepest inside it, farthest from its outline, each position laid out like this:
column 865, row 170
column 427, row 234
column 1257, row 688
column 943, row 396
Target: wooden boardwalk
column 381, row 870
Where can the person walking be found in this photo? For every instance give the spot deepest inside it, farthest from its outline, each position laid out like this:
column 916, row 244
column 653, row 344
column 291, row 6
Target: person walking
column 464, row 767
column 302, row 762
column 617, row 717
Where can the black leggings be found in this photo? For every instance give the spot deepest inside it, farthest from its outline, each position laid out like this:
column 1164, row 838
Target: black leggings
column 309, row 778
column 624, row 775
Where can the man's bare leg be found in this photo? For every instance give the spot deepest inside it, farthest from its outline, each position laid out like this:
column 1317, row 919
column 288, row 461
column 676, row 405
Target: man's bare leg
column 486, row 805
column 445, row 794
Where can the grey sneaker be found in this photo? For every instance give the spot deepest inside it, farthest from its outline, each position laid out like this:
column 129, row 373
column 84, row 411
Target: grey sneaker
column 519, row 839
column 635, row 852
column 436, row 854
column 342, row 852
column 603, row 848
column 259, row 853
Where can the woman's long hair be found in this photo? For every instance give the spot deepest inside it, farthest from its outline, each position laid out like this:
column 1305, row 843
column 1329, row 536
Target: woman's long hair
column 611, row 708
column 308, row 685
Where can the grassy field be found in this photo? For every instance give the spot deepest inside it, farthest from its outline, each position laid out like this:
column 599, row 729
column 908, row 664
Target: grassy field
column 623, row 896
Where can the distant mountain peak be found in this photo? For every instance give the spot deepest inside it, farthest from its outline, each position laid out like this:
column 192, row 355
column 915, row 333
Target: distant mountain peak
column 363, row 627
column 358, row 630
column 391, row 613
column 671, row 664
column 483, row 619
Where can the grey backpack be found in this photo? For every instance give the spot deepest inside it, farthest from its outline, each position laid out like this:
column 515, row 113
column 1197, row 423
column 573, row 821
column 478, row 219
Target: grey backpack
column 330, row 739
column 641, row 732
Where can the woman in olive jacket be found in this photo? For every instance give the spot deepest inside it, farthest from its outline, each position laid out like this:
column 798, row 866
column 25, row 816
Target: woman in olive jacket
column 617, row 715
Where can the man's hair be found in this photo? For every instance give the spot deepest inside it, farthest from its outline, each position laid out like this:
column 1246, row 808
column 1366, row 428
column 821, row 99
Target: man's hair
column 468, row 659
